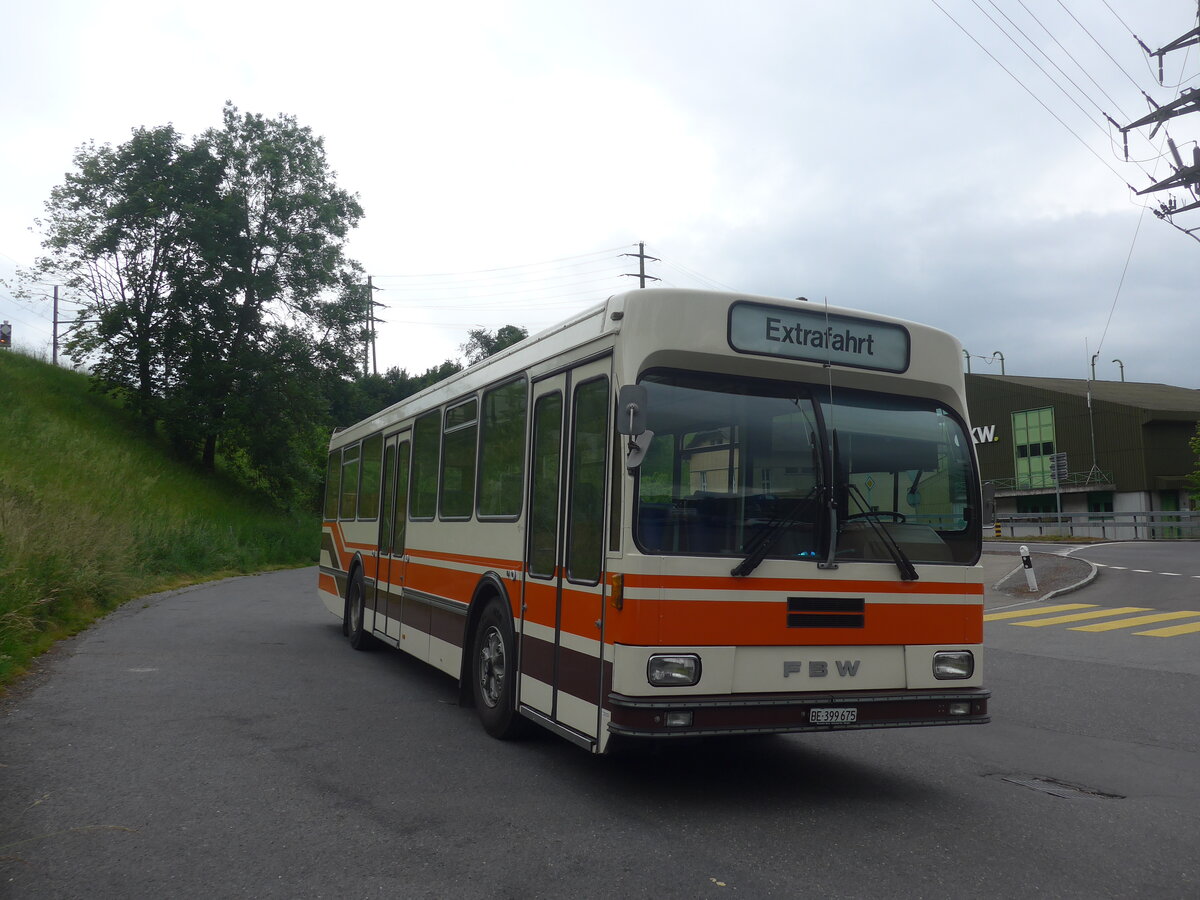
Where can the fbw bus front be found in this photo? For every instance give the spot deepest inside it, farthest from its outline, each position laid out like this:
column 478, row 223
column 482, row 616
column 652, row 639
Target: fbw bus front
column 678, row 513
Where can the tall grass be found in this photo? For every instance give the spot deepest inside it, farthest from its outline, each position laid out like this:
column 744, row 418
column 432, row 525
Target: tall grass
column 93, row 512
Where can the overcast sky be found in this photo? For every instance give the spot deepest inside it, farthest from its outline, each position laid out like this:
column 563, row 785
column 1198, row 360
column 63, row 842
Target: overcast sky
column 508, row 153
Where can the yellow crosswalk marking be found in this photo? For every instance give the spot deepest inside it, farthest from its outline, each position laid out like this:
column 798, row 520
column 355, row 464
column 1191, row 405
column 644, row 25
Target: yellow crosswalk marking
column 1190, row 628
column 1022, row 613
column 1137, row 620
column 1078, row 617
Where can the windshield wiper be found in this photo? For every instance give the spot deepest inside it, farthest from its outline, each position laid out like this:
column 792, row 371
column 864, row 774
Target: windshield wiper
column 908, row 571
column 766, row 539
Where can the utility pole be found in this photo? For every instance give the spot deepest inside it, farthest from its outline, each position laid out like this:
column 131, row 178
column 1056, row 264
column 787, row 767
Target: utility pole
column 54, row 342
column 370, row 360
column 371, row 318
column 1188, row 101
column 641, row 275
column 1187, row 39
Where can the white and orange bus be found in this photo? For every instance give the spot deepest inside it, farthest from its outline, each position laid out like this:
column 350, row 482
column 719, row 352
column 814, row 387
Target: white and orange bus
column 678, row 513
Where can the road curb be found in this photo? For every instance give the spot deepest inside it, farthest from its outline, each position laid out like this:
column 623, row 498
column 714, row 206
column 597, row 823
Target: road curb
column 1087, row 579
column 1053, row 582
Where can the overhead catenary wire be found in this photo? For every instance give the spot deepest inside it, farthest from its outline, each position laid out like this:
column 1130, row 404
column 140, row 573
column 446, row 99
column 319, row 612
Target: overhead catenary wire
column 1115, row 105
column 696, row 276
column 1031, row 93
column 1103, row 49
column 561, row 259
column 1099, row 125
column 1121, row 282
column 1046, row 56
column 1071, row 57
column 393, row 282
column 1158, row 153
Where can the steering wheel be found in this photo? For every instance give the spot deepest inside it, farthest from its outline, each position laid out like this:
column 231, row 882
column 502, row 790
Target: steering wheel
column 889, row 513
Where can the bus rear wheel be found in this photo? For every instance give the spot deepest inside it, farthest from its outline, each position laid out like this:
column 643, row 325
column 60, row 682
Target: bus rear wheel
column 493, row 673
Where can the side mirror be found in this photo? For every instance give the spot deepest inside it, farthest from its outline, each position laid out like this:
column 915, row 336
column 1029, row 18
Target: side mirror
column 631, row 420
column 631, row 409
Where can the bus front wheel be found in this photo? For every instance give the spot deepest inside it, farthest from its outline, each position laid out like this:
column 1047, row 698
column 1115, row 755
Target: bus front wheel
column 354, row 619
column 493, row 673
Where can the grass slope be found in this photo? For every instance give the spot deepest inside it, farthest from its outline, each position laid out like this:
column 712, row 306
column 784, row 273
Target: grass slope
column 93, row 512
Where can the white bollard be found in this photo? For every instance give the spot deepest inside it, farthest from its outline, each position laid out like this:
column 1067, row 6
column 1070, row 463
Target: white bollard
column 1027, row 562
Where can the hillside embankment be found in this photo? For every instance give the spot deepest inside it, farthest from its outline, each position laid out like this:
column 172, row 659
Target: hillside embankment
column 94, row 511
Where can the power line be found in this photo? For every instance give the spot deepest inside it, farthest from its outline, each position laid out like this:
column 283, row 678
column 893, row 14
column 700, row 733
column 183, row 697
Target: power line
column 503, row 268
column 1077, row 63
column 399, row 282
column 1029, row 91
column 1119, row 19
column 13, row 317
column 1052, row 80
column 1101, row 46
column 1121, row 283
column 1036, row 63
column 712, row 282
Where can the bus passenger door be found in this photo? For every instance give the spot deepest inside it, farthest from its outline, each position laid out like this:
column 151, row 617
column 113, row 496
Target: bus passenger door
column 561, row 638
column 393, row 509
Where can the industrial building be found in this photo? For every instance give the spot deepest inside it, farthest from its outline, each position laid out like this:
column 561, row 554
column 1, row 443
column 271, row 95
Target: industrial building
column 1125, row 445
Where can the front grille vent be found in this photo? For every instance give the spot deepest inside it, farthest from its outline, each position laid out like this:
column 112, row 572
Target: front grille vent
column 825, row 612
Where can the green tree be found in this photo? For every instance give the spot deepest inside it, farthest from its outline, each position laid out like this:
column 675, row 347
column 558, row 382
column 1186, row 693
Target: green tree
column 352, row 401
column 482, row 343
column 218, row 295
column 279, row 248
column 118, row 233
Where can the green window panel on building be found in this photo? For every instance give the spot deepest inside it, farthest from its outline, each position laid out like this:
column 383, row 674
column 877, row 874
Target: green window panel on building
column 1033, row 445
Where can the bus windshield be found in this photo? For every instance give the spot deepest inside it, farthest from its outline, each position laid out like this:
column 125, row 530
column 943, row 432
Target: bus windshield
column 742, row 466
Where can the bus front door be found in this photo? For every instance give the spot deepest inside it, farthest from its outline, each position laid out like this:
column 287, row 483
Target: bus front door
column 562, row 647
column 389, row 584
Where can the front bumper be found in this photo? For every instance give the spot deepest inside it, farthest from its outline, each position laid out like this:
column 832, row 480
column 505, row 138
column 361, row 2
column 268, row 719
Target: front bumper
column 774, row 713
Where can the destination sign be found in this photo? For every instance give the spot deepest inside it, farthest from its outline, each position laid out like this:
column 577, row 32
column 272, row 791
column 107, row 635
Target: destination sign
column 816, row 336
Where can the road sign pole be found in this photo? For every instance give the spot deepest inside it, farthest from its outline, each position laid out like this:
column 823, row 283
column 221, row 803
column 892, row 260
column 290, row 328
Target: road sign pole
column 1027, row 562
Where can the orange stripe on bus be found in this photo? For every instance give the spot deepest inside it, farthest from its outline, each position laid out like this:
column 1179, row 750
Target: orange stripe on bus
column 541, row 601
column 581, row 609
column 705, row 622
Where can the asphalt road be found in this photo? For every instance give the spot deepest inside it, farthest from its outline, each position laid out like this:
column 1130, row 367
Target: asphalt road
column 1163, row 575
column 224, row 741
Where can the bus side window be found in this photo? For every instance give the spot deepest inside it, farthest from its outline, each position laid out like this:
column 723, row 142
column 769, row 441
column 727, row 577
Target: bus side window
column 502, row 450
column 399, row 522
column 458, row 461
column 387, row 504
column 368, row 493
column 589, row 447
column 333, row 484
column 422, row 500
column 349, row 505
column 543, row 478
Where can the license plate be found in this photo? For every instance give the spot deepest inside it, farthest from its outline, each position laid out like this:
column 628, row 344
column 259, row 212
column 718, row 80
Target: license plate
column 838, row 715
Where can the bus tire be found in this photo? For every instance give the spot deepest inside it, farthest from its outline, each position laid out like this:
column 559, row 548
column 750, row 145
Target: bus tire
column 356, row 613
column 493, row 673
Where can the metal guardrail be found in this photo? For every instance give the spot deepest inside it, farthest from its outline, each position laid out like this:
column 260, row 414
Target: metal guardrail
column 1157, row 525
column 1047, row 482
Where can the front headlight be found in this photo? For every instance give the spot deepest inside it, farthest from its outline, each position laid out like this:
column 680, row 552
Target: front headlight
column 673, row 670
column 950, row 664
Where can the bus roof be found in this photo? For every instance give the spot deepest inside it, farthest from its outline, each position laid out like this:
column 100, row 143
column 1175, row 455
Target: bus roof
column 724, row 331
